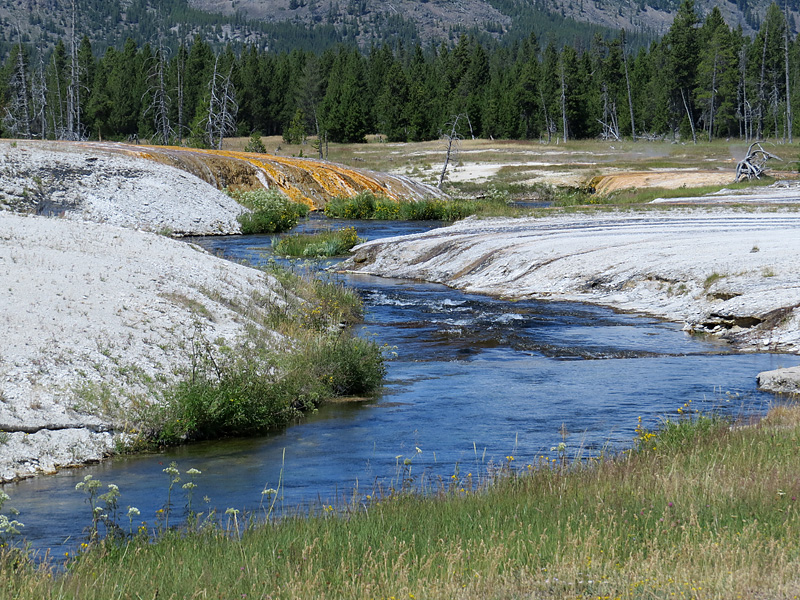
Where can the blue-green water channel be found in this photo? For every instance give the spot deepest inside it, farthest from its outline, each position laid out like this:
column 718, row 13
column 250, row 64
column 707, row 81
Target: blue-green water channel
column 474, row 380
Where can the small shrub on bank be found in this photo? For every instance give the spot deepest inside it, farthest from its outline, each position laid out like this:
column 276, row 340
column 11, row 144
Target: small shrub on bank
column 266, row 381
column 327, row 243
column 272, row 211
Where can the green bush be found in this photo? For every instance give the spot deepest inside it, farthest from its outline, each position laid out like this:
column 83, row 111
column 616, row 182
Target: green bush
column 360, row 206
column 272, row 211
column 259, row 390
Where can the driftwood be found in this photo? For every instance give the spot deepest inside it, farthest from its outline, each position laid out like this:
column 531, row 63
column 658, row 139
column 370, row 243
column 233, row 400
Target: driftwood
column 755, row 163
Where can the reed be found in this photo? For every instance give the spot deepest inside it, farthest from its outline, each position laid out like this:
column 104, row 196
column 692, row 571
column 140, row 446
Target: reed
column 369, row 206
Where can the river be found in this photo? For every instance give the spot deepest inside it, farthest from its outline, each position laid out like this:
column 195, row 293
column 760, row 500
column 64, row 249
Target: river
column 474, row 380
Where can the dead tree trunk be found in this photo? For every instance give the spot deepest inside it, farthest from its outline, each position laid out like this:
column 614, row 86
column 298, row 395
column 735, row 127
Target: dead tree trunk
column 713, row 98
column 17, row 117
column 689, row 114
column 754, row 164
column 451, row 138
column 74, row 128
column 547, row 123
column 786, row 72
column 761, row 93
column 222, row 108
column 39, row 98
column 564, row 122
column 160, row 103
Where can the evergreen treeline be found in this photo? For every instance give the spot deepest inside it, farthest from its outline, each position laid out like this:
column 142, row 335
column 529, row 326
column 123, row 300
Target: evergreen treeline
column 703, row 79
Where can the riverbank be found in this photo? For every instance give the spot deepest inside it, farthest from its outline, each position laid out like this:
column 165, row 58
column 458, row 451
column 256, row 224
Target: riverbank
column 112, row 330
column 666, row 519
column 95, row 316
column 92, row 183
column 724, row 272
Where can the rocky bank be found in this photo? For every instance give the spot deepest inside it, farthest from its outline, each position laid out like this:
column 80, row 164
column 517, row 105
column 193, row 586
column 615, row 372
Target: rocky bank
column 726, row 272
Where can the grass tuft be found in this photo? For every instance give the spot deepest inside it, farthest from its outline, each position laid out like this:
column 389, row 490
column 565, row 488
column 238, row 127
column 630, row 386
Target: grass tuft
column 324, row 244
column 366, row 205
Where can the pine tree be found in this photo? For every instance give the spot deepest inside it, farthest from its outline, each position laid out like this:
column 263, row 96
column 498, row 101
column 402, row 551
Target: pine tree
column 98, row 109
column 392, row 105
column 343, row 109
column 770, row 97
column 683, row 56
column 123, row 91
column 716, row 75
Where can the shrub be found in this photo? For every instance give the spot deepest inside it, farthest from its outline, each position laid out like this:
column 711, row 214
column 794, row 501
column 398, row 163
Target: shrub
column 255, row 144
column 360, row 206
column 266, row 381
column 272, row 211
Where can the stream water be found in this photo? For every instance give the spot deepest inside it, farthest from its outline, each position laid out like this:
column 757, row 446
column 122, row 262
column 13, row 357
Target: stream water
column 474, row 380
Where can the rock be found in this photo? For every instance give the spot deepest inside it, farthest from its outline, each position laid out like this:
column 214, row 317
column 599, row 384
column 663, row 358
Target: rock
column 780, row 381
column 92, row 314
column 694, row 267
column 55, row 179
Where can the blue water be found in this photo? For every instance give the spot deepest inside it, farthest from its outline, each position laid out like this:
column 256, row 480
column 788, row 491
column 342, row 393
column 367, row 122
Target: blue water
column 474, row 380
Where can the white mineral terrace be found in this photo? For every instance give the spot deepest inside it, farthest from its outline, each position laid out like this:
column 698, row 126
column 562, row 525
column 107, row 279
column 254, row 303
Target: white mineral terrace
column 729, row 272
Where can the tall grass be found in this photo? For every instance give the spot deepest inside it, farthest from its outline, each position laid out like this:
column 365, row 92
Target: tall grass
column 698, row 509
column 327, row 243
column 367, row 205
column 271, row 211
column 302, row 354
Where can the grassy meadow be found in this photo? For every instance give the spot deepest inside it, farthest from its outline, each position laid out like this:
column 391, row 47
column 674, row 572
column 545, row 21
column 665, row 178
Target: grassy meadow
column 700, row 508
column 558, row 173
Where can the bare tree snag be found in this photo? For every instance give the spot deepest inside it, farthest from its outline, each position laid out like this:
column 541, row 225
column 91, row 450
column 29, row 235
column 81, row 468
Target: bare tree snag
column 451, row 138
column 754, row 164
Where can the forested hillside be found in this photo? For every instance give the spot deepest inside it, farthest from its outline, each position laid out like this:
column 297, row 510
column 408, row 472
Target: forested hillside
column 702, row 79
column 316, row 25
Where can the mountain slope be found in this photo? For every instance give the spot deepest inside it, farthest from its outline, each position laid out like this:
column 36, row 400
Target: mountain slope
column 282, row 25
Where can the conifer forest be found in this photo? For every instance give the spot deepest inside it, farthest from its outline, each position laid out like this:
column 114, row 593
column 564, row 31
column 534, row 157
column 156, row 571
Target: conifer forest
column 702, row 80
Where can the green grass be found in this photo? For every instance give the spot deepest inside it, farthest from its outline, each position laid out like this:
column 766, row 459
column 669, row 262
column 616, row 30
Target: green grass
column 697, row 509
column 271, row 211
column 369, row 206
column 300, row 354
column 323, row 244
